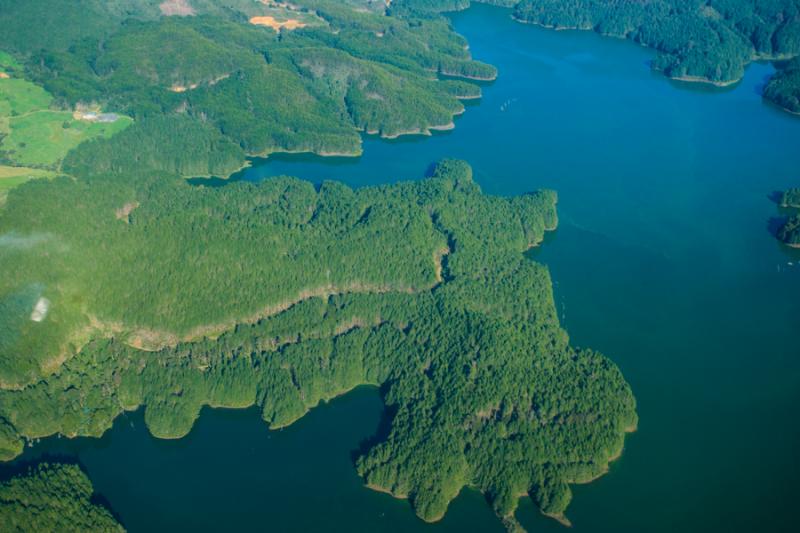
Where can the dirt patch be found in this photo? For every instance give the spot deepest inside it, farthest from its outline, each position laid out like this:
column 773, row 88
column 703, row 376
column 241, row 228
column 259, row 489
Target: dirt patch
column 4, row 76
column 178, row 88
column 176, row 8
column 277, row 25
column 123, row 213
column 95, row 116
column 183, row 88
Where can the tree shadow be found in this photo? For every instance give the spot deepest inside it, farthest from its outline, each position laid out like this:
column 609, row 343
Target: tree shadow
column 761, row 86
column 775, row 197
column 774, row 225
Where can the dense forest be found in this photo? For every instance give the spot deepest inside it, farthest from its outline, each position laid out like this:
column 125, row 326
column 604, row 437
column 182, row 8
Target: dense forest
column 52, row 497
column 696, row 40
column 314, row 88
column 789, row 233
column 791, row 198
column 783, row 89
column 280, row 294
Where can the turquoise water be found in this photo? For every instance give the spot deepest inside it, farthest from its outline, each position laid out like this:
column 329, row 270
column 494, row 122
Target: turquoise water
column 663, row 260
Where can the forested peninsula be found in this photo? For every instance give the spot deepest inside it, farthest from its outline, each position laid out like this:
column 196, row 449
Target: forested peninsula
column 710, row 41
column 281, row 295
column 126, row 287
column 52, row 497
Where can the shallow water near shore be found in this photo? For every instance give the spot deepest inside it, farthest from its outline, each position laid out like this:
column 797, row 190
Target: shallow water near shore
column 663, row 260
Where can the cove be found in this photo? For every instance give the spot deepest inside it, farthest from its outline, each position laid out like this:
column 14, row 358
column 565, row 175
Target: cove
column 663, row 260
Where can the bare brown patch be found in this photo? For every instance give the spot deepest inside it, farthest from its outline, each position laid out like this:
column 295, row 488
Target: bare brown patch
column 176, row 8
column 277, row 25
column 4, row 76
column 182, row 88
column 123, row 213
column 438, row 258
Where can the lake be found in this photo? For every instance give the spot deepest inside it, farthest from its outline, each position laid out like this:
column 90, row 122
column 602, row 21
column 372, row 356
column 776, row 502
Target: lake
column 664, row 260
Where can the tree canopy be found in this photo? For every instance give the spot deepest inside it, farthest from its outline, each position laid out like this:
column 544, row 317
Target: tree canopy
column 52, row 497
column 172, row 296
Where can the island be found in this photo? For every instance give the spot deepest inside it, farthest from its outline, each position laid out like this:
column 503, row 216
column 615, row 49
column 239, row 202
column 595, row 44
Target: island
column 53, row 497
column 791, row 198
column 789, row 231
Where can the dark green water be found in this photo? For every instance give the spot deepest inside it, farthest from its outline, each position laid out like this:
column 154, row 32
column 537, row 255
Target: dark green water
column 664, row 261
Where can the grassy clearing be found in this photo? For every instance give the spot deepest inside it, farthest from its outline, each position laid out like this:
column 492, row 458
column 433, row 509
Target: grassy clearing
column 19, row 97
column 12, row 176
column 34, row 135
column 7, row 61
column 43, row 138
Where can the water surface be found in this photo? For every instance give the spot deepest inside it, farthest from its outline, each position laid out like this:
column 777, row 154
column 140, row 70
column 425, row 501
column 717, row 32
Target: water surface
column 664, row 261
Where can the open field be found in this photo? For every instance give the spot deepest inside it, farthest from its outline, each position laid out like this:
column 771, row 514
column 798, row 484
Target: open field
column 12, row 176
column 43, row 138
column 7, row 61
column 283, row 17
column 34, row 135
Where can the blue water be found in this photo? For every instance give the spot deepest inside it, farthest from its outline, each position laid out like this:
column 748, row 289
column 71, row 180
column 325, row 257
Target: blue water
column 664, row 260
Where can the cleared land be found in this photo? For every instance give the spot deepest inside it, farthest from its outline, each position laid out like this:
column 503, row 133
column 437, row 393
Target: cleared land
column 34, row 135
column 179, row 8
column 13, row 176
column 289, row 24
column 283, row 17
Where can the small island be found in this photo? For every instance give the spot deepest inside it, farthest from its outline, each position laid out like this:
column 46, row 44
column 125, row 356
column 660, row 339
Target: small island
column 789, row 231
column 791, row 198
column 789, row 234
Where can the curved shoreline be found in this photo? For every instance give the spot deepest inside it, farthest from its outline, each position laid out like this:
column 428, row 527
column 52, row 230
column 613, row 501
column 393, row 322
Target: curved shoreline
column 682, row 78
column 561, row 518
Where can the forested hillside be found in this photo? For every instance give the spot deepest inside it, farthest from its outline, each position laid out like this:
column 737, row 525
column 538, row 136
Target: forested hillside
column 784, row 88
column 52, row 497
column 281, row 295
column 305, row 86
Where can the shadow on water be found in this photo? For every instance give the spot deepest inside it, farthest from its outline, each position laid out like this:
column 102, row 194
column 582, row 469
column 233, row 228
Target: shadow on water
column 210, row 182
column 774, row 225
column 775, row 197
column 760, row 87
column 381, row 433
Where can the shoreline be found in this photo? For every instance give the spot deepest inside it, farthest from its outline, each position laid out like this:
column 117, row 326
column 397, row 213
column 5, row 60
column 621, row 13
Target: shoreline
column 426, row 131
column 470, row 77
column 684, row 78
column 561, row 518
column 702, row 80
column 782, row 108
